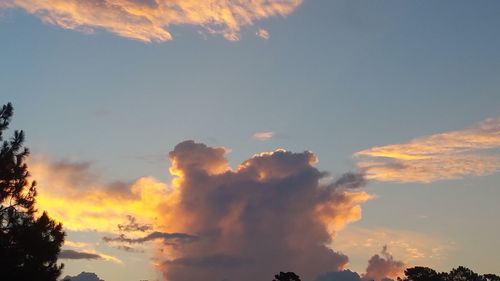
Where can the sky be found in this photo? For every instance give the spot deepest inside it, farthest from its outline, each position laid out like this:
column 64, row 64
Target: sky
column 204, row 140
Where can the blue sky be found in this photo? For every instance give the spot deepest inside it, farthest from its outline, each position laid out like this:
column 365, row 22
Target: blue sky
column 335, row 77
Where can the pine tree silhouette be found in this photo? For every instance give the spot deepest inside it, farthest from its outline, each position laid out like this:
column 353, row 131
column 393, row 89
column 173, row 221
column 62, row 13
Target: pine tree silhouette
column 29, row 245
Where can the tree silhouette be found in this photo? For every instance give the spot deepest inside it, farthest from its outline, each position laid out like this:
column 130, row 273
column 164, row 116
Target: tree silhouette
column 29, row 245
column 420, row 273
column 491, row 277
column 286, row 276
column 461, row 273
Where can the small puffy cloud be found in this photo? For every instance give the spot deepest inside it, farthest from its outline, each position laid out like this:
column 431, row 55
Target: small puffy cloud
column 384, row 266
column 449, row 155
column 263, row 135
column 262, row 33
column 151, row 20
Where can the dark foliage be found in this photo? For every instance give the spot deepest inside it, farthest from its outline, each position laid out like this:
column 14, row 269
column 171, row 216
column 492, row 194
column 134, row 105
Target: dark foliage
column 461, row 273
column 29, row 245
column 286, row 276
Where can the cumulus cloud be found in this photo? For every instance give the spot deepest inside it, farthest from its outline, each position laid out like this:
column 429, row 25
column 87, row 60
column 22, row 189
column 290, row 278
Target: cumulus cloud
column 151, row 20
column 383, row 266
column 449, row 155
column 273, row 212
column 267, row 215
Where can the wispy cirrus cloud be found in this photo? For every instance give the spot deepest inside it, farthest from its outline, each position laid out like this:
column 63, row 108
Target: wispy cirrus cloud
column 150, row 20
column 449, row 155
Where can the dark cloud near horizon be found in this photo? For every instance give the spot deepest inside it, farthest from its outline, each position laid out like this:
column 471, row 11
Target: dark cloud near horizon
column 84, row 276
column 75, row 255
column 270, row 214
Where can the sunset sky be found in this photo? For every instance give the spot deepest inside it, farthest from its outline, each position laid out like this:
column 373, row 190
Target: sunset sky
column 202, row 140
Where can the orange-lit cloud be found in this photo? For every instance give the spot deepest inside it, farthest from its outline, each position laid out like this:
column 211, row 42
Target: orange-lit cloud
column 448, row 155
column 150, row 20
column 212, row 220
column 74, row 195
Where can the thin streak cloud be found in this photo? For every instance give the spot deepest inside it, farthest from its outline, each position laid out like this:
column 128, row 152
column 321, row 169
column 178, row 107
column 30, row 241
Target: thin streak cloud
column 449, row 155
column 264, row 135
column 150, row 20
column 69, row 254
column 75, row 255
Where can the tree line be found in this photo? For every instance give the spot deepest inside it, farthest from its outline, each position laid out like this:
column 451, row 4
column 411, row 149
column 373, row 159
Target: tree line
column 417, row 273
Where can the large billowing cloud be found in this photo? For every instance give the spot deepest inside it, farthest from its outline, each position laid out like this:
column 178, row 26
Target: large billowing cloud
column 449, row 155
column 149, row 20
column 271, row 213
